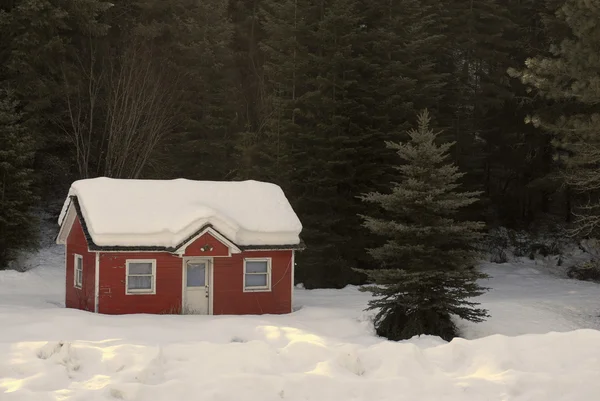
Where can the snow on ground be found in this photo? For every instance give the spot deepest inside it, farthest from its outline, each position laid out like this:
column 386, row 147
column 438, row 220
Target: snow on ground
column 526, row 299
column 326, row 350
column 40, row 287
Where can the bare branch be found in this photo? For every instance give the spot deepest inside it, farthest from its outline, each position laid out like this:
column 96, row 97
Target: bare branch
column 118, row 111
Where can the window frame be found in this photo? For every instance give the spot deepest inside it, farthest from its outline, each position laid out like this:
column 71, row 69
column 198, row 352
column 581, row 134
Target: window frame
column 76, row 258
column 269, row 273
column 152, row 289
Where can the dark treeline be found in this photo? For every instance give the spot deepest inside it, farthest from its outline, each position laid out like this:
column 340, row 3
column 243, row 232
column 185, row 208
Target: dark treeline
column 303, row 93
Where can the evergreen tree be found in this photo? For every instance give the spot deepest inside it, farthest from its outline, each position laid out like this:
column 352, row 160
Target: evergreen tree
column 255, row 158
column 476, row 56
column 323, row 149
column 518, row 164
column 333, row 70
column 427, row 272
column 312, row 67
column 201, row 35
column 39, row 41
column 399, row 75
column 16, row 182
column 570, row 76
column 263, row 148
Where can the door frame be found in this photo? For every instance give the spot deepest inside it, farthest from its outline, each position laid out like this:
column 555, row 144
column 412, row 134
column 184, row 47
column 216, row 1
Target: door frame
column 209, row 266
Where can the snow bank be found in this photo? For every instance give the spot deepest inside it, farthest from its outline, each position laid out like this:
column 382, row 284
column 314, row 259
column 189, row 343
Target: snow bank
column 291, row 364
column 165, row 213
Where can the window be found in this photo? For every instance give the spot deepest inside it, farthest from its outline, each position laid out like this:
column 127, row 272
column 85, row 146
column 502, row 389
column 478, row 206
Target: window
column 141, row 277
column 78, row 271
column 257, row 274
column 196, row 274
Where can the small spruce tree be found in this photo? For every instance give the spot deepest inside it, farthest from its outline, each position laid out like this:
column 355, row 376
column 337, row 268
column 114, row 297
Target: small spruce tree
column 16, row 183
column 427, row 272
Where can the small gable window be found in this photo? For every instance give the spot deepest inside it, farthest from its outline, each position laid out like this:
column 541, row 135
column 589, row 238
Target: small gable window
column 78, row 271
column 141, row 276
column 257, row 274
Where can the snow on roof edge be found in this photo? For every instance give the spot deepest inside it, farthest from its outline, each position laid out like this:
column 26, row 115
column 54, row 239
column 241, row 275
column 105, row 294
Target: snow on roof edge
column 64, row 209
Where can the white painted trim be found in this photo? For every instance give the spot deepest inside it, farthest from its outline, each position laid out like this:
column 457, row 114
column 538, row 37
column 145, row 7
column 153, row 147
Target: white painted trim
column 140, row 292
column 211, row 286
column 134, row 251
column 183, row 279
column 75, row 258
column 210, row 266
column 97, row 283
column 66, row 279
column 232, row 248
column 179, row 253
column 292, row 279
column 269, row 249
column 67, row 224
column 269, row 275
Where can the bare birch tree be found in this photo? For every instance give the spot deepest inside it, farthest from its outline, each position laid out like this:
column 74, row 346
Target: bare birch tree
column 119, row 107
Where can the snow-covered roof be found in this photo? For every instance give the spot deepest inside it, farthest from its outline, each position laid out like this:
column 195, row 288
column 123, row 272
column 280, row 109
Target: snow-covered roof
column 165, row 213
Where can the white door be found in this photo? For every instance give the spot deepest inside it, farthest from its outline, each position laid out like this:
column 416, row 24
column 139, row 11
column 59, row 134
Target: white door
column 196, row 280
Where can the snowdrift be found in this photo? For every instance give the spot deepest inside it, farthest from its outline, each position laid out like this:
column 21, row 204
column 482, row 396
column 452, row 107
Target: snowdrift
column 289, row 364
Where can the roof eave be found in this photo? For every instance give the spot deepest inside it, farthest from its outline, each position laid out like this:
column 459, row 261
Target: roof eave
column 294, row 247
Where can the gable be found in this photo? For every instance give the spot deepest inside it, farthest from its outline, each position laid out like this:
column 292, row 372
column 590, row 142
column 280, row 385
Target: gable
column 76, row 235
column 67, row 224
column 206, row 245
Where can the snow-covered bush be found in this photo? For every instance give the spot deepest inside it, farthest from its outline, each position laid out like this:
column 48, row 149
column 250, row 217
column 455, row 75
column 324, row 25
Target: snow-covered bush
column 503, row 244
column 496, row 245
column 586, row 271
column 587, row 263
column 591, row 246
column 521, row 243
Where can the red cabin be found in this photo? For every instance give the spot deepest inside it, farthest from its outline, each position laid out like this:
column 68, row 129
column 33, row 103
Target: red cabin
column 179, row 246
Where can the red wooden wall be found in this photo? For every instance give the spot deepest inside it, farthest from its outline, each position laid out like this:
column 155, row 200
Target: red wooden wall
column 76, row 244
column 228, row 287
column 112, row 295
column 228, row 294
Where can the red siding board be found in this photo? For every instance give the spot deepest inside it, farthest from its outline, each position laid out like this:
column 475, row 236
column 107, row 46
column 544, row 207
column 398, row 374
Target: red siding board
column 77, row 245
column 228, row 272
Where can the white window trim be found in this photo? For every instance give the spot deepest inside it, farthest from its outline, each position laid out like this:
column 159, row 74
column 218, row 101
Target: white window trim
column 140, row 292
column 269, row 273
column 77, row 257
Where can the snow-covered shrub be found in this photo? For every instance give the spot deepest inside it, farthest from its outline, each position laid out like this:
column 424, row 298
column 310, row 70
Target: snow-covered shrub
column 551, row 240
column 520, row 242
column 502, row 244
column 496, row 245
column 586, row 271
column 590, row 246
column 587, row 263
